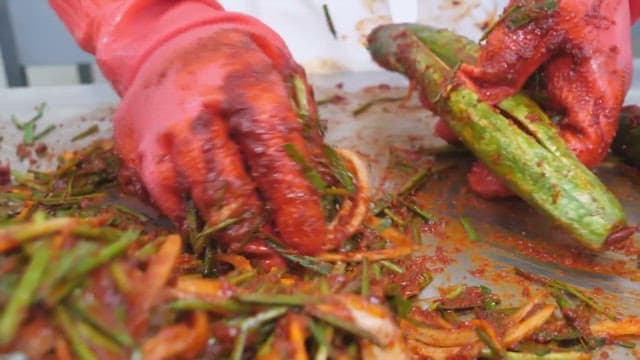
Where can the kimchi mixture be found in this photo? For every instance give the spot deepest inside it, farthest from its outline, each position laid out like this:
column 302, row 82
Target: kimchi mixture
column 88, row 271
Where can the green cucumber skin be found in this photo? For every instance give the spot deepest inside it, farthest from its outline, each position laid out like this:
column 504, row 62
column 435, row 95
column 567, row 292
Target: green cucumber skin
column 536, row 165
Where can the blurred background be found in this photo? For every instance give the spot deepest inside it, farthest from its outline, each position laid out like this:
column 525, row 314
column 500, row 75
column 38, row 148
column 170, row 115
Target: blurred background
column 37, row 51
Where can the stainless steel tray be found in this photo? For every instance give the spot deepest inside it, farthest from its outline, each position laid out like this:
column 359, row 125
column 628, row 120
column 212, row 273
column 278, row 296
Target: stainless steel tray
column 509, row 230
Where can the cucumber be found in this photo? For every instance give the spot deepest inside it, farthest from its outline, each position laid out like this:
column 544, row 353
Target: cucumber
column 515, row 138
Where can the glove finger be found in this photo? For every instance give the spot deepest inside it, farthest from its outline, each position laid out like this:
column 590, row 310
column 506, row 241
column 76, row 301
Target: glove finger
column 262, row 121
column 444, row 131
column 511, row 55
column 486, row 183
column 591, row 94
column 160, row 180
column 214, row 171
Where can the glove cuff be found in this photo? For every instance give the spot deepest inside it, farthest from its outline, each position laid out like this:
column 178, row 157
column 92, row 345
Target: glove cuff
column 123, row 34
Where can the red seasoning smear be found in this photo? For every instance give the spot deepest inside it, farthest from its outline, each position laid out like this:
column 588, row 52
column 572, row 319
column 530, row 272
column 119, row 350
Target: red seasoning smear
column 5, row 174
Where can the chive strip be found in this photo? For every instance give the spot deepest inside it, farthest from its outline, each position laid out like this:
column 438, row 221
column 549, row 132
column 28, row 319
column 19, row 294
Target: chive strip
column 468, row 228
column 18, row 306
column 568, row 288
column 30, row 231
column 202, row 305
column 17, row 123
column 308, row 262
column 391, row 266
column 104, row 255
column 126, row 210
column 492, row 27
column 39, row 112
column 327, row 17
column 120, row 277
column 346, row 325
column 66, row 261
column 519, row 15
column 265, row 348
column 562, row 301
column 278, row 299
column 43, row 133
column 323, row 335
column 393, row 216
column 208, row 270
column 27, row 180
column 90, row 232
column 455, row 292
column 96, row 338
column 93, row 129
column 252, row 323
column 411, row 185
column 625, row 344
column 582, row 297
column 120, row 337
column 381, row 204
column 310, row 173
column 423, row 214
column 208, row 230
column 364, row 287
column 79, row 346
column 301, row 97
column 339, row 169
column 425, row 279
column 324, row 101
column 493, row 347
column 366, row 106
column 571, row 335
column 415, row 232
column 200, row 239
column 524, row 14
column 336, row 191
column 28, row 134
column 66, row 200
column 28, row 128
column 414, row 182
column 568, row 355
column 376, row 270
column 240, row 277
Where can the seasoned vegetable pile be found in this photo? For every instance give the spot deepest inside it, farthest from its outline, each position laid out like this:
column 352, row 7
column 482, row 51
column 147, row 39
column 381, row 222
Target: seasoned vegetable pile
column 87, row 272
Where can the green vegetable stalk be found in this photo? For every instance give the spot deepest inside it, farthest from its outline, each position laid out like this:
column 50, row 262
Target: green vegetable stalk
column 515, row 139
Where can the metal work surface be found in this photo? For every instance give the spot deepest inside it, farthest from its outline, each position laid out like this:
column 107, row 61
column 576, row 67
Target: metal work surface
column 511, row 234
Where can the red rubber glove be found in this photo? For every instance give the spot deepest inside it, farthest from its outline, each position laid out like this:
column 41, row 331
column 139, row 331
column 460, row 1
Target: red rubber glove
column 206, row 111
column 584, row 48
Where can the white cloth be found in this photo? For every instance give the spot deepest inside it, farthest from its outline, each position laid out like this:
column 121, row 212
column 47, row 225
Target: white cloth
column 303, row 25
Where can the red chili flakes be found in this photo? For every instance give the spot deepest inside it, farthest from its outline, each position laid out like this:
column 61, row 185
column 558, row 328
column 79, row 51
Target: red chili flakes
column 478, row 272
column 5, row 174
column 23, row 151
column 598, row 291
column 41, row 149
column 413, row 280
column 339, row 100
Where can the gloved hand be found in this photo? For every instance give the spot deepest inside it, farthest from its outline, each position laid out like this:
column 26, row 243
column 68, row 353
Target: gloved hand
column 583, row 48
column 209, row 100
